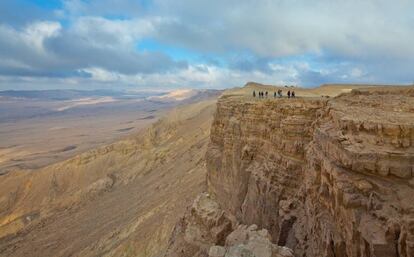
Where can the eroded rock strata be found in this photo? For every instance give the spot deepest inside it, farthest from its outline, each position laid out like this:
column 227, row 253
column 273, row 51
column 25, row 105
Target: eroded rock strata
column 324, row 176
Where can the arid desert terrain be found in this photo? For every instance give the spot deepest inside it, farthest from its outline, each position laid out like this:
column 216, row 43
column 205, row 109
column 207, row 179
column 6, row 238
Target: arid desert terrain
column 299, row 168
column 103, row 200
column 44, row 127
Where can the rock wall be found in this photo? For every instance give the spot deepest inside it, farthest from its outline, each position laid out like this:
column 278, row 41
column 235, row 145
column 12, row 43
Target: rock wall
column 256, row 156
column 358, row 177
column 324, row 176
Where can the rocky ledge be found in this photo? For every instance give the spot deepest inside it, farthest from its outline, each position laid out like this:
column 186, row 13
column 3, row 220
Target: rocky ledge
column 321, row 176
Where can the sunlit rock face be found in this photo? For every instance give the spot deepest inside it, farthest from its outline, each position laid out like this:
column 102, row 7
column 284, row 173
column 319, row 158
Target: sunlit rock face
column 358, row 176
column 256, row 158
column 204, row 225
column 325, row 176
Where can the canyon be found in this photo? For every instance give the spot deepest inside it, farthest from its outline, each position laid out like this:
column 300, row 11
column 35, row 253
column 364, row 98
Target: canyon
column 326, row 174
column 329, row 173
column 119, row 199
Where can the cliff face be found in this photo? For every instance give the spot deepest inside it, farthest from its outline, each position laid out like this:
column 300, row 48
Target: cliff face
column 256, row 156
column 358, row 176
column 324, row 176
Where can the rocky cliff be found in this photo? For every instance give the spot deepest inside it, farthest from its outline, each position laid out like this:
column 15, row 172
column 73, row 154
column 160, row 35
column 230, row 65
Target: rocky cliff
column 323, row 176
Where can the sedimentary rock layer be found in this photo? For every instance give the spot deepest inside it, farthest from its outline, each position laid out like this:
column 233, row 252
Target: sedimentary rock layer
column 325, row 176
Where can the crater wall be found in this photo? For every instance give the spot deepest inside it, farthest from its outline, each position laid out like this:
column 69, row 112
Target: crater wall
column 324, row 176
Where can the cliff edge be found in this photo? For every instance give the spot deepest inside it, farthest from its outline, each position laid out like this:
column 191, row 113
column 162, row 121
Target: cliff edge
column 323, row 176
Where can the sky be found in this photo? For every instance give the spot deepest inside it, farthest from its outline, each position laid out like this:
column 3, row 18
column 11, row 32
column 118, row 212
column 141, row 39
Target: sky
column 166, row 44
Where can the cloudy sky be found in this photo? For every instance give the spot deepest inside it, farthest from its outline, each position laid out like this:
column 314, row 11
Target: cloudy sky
column 167, row 44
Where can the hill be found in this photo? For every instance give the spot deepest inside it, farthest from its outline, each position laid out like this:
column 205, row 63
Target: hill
column 117, row 200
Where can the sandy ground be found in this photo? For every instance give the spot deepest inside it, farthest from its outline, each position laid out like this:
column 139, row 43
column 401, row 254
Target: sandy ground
column 38, row 132
column 330, row 90
column 63, row 130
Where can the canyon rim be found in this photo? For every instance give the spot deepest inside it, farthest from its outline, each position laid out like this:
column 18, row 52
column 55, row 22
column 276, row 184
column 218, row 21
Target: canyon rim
column 311, row 176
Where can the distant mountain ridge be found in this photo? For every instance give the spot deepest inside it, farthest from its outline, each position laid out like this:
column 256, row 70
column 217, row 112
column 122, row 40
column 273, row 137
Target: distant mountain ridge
column 68, row 94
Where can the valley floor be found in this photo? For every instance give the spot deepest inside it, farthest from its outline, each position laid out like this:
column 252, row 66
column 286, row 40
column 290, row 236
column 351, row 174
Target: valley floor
column 122, row 199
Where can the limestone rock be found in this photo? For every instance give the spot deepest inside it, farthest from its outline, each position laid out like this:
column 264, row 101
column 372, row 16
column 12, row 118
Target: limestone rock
column 248, row 241
column 323, row 176
column 205, row 224
column 217, row 251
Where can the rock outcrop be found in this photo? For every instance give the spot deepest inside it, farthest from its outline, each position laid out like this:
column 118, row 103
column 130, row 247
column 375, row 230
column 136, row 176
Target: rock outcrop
column 324, row 176
column 249, row 242
column 206, row 231
column 357, row 177
column 204, row 225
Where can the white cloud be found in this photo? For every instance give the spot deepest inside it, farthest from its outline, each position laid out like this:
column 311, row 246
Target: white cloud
column 36, row 33
column 48, row 49
column 271, row 41
column 280, row 28
column 102, row 75
column 356, row 73
column 112, row 33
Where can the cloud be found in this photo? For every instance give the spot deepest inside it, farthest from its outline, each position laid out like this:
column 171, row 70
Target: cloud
column 48, row 49
column 118, row 8
column 23, row 50
column 222, row 43
column 36, row 33
column 281, row 27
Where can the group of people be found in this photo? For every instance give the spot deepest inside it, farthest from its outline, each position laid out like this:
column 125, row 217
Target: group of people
column 262, row 94
column 279, row 93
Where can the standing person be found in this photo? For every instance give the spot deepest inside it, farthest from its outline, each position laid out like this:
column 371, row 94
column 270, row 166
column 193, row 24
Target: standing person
column 266, row 94
column 254, row 93
column 293, row 94
column 288, row 94
column 274, row 94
